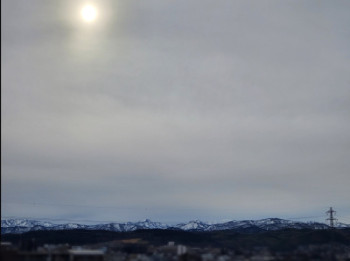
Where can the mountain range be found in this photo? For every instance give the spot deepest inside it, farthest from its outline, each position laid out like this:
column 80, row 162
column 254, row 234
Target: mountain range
column 17, row 226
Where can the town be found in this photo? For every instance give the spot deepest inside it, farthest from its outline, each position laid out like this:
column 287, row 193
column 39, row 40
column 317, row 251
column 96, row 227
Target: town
column 137, row 249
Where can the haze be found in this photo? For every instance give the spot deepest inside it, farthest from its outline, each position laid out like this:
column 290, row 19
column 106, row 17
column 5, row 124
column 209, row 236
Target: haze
column 175, row 110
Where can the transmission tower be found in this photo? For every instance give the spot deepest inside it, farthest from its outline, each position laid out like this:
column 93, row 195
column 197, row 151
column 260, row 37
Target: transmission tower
column 331, row 218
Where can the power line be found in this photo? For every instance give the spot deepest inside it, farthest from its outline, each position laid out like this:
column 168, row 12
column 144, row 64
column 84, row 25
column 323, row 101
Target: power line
column 331, row 212
column 61, row 219
column 63, row 205
column 305, row 217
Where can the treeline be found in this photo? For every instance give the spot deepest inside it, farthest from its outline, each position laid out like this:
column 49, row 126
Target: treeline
column 281, row 240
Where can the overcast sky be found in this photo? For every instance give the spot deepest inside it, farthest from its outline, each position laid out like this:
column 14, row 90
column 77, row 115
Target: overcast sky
column 175, row 110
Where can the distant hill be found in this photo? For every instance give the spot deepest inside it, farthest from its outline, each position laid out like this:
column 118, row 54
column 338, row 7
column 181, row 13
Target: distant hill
column 23, row 225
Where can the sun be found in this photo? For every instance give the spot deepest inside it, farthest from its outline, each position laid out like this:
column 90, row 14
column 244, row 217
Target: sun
column 89, row 13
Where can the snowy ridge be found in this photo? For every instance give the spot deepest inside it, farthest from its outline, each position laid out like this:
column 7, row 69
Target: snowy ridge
column 24, row 225
column 193, row 225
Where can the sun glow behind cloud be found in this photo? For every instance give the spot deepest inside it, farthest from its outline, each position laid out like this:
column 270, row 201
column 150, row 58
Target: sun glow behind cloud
column 89, row 13
column 89, row 22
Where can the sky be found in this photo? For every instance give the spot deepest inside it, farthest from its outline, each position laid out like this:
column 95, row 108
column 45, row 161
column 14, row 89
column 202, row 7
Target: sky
column 175, row 110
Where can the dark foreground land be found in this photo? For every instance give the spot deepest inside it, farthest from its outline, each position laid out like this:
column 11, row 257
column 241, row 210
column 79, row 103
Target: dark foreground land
column 280, row 240
column 288, row 244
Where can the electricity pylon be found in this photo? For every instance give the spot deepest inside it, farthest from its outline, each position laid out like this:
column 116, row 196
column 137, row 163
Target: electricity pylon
column 331, row 218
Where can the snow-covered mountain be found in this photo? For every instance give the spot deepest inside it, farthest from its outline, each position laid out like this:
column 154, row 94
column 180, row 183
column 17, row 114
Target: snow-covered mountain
column 129, row 226
column 267, row 224
column 343, row 225
column 25, row 225
column 193, row 225
column 251, row 225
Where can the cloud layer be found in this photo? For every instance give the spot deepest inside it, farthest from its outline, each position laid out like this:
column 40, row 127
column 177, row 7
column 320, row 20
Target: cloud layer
column 175, row 110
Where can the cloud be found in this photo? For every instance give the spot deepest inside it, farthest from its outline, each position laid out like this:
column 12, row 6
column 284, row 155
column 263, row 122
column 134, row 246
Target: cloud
column 175, row 110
